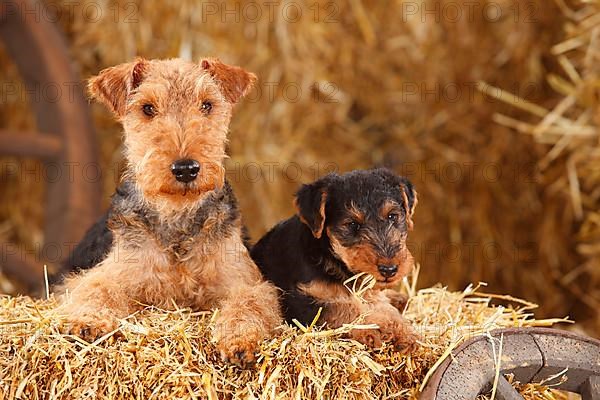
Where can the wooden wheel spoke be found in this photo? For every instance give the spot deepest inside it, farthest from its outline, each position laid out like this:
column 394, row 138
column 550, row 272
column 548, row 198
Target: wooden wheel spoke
column 30, row 144
column 505, row 391
column 22, row 266
column 591, row 388
column 72, row 202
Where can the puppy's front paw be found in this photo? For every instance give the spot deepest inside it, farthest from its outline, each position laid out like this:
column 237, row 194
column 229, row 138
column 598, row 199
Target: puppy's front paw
column 393, row 329
column 238, row 352
column 400, row 334
column 89, row 328
column 369, row 337
column 397, row 299
column 407, row 343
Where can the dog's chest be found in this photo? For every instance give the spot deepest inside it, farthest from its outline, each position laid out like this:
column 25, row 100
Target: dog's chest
column 180, row 240
column 184, row 237
column 186, row 241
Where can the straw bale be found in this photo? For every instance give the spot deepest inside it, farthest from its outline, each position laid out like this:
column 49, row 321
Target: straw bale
column 168, row 354
column 377, row 89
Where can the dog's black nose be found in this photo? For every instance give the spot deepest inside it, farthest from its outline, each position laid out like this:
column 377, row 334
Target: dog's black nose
column 387, row 270
column 185, row 170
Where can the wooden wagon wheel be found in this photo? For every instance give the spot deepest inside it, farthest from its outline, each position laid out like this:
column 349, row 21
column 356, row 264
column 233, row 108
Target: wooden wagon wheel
column 65, row 141
column 530, row 354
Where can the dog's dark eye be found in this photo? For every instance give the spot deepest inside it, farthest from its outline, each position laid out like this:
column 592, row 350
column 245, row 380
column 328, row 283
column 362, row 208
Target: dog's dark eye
column 149, row 110
column 206, row 107
column 393, row 217
column 354, row 226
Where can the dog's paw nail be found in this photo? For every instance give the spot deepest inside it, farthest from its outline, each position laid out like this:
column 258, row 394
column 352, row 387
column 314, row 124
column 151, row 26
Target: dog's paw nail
column 242, row 357
column 370, row 338
column 407, row 344
column 407, row 347
column 88, row 328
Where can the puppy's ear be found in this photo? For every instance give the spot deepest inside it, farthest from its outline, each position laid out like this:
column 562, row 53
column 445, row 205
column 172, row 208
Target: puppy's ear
column 310, row 204
column 112, row 86
column 235, row 82
column 409, row 197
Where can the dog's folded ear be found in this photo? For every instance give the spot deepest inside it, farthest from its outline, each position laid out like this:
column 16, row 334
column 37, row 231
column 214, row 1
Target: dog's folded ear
column 113, row 85
column 310, row 203
column 409, row 197
column 235, row 82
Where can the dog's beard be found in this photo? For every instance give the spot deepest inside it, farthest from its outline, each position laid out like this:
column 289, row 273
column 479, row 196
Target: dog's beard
column 170, row 197
column 165, row 188
column 386, row 283
column 381, row 282
column 180, row 189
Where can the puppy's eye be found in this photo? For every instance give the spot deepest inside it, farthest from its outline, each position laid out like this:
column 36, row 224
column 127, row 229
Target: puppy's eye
column 206, row 107
column 354, row 226
column 149, row 110
column 393, row 217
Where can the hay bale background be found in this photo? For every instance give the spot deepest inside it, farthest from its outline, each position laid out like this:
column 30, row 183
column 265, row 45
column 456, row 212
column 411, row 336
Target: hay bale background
column 164, row 355
column 381, row 86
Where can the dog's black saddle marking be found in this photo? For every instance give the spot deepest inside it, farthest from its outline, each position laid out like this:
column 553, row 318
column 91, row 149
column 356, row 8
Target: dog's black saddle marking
column 131, row 216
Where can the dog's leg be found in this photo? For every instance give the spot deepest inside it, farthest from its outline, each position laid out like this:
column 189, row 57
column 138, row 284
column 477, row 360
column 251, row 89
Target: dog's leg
column 248, row 312
column 341, row 307
column 393, row 327
column 397, row 299
column 93, row 300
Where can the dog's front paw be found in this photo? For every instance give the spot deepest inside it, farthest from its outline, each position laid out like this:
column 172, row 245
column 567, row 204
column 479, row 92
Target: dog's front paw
column 400, row 334
column 392, row 329
column 397, row 299
column 407, row 342
column 88, row 327
column 240, row 352
column 369, row 337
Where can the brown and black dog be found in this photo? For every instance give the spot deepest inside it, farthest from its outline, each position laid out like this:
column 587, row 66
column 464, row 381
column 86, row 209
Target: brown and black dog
column 173, row 233
column 346, row 224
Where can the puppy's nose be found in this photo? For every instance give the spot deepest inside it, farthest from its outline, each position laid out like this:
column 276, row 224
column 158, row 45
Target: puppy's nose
column 387, row 270
column 185, row 170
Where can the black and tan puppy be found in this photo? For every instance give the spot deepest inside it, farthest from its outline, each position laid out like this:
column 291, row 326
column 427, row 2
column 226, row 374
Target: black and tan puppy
column 346, row 224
